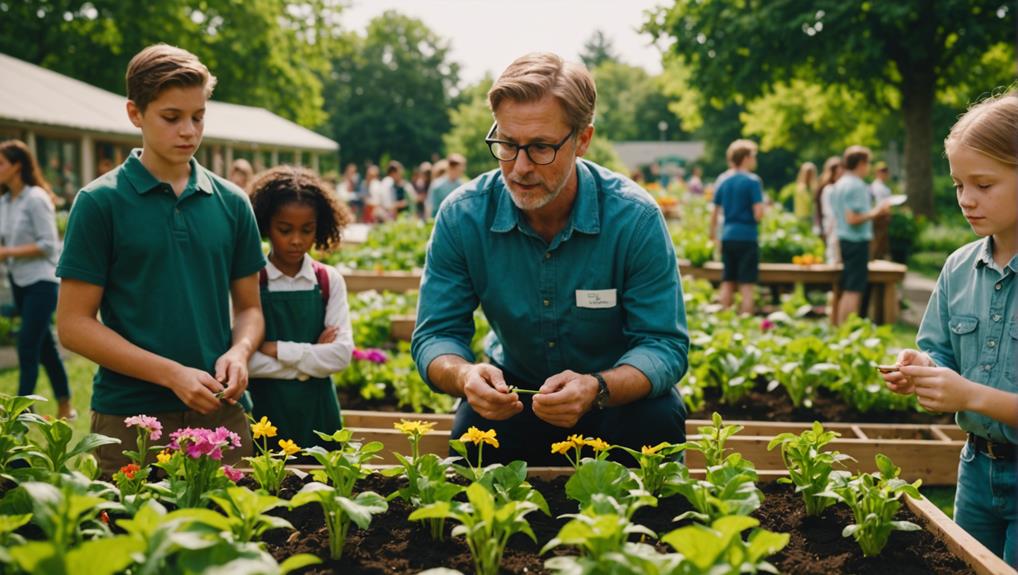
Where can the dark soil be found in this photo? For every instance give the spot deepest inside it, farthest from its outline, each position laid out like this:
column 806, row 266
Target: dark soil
column 393, row 544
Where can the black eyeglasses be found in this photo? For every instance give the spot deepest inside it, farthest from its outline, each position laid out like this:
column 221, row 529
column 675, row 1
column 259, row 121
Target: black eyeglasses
column 539, row 153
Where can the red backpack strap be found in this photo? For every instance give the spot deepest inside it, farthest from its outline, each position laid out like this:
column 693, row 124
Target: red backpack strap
column 263, row 278
column 322, row 275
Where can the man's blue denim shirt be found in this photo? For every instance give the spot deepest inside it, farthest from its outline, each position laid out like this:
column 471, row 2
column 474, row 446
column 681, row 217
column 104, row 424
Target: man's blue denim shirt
column 605, row 292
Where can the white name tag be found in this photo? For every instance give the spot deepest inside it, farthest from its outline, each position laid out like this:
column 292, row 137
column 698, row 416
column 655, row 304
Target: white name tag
column 596, row 299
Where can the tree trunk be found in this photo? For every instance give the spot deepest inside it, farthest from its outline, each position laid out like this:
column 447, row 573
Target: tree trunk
column 918, row 91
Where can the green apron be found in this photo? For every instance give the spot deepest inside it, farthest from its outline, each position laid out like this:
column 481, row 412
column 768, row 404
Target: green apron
column 296, row 408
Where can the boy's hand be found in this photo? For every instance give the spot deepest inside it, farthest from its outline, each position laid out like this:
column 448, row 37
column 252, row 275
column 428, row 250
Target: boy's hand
column 940, row 389
column 486, row 391
column 329, row 334
column 565, row 397
column 196, row 389
column 899, row 382
column 231, row 371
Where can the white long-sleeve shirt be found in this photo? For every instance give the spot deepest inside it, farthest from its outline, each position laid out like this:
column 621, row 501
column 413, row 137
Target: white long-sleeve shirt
column 297, row 360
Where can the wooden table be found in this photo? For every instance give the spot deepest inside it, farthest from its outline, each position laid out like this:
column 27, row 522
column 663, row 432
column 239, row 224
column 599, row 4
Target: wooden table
column 884, row 277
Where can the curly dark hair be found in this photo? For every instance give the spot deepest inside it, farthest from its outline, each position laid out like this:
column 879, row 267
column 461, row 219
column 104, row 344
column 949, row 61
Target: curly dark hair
column 283, row 185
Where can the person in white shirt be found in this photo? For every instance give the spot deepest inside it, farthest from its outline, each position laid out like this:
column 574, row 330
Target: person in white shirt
column 308, row 336
column 880, row 248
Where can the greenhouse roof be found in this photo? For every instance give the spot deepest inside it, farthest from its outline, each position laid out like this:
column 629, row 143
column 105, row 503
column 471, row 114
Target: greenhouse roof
column 35, row 95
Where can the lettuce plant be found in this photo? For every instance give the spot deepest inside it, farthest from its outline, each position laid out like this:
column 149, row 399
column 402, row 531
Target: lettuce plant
column 728, row 489
column 810, row 468
column 340, row 511
column 486, row 525
column 875, row 499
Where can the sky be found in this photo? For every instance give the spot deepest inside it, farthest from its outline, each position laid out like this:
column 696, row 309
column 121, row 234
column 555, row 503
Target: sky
column 487, row 35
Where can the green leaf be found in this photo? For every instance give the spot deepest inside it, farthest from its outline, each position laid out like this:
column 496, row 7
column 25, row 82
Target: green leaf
column 38, row 557
column 483, row 502
column 103, row 556
column 361, row 508
column 698, row 543
column 298, row 561
column 437, row 510
column 8, row 523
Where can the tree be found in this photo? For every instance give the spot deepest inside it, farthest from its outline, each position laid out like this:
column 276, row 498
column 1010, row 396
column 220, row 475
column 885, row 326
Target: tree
column 266, row 53
column 470, row 122
column 597, row 50
column 631, row 103
column 895, row 54
column 389, row 92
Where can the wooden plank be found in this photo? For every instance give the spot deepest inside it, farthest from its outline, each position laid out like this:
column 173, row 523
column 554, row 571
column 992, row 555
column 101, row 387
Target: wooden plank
column 401, row 327
column 858, row 432
column 357, row 281
column 966, row 547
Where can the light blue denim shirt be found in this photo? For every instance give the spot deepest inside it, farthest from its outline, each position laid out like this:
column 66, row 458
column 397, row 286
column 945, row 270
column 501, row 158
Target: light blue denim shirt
column 605, row 292
column 851, row 193
column 970, row 327
column 30, row 219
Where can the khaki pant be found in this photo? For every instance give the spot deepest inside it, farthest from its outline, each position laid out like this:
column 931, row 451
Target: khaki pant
column 111, row 458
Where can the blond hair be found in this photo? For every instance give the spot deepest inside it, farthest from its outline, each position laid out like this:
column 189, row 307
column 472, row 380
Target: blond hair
column 532, row 77
column 739, row 150
column 162, row 66
column 990, row 128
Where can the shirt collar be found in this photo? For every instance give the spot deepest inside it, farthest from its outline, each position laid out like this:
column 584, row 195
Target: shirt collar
column 306, row 271
column 585, row 216
column 144, row 182
column 986, row 256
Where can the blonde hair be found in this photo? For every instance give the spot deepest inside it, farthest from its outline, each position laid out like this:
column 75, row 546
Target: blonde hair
column 162, row 66
column 739, row 150
column 807, row 178
column 532, row 77
column 990, row 128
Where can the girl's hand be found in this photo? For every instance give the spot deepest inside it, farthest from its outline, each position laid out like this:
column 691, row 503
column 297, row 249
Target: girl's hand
column 898, row 381
column 328, row 334
column 941, row 389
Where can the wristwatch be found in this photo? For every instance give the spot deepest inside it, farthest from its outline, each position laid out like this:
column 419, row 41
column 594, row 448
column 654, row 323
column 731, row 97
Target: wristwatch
column 603, row 395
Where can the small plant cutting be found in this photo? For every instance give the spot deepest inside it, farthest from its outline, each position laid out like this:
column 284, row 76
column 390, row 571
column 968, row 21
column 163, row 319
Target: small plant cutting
column 486, row 525
column 131, row 477
column 426, row 475
column 810, row 468
column 269, row 468
column 194, row 466
column 875, row 499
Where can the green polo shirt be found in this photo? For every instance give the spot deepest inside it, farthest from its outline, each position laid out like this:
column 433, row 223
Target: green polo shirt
column 166, row 264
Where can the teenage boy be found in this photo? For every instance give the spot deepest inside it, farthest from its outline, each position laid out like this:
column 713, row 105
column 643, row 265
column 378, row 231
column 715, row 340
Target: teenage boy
column 161, row 246
column 739, row 199
column 853, row 209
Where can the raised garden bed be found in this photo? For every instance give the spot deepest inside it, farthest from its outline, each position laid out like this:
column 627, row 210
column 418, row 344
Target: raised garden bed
column 393, row 544
column 381, row 281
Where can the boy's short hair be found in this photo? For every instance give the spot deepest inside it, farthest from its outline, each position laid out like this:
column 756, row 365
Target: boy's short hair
column 162, row 66
column 855, row 155
column 739, row 150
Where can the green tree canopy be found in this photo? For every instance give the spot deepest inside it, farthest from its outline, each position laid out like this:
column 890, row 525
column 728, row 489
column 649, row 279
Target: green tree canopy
column 390, row 91
column 470, row 122
column 598, row 49
column 895, row 54
column 631, row 104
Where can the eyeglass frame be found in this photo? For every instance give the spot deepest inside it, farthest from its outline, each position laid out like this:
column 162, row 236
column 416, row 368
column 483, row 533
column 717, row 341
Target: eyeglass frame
column 526, row 148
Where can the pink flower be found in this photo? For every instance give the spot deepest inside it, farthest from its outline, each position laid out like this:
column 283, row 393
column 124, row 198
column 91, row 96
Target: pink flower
column 232, row 474
column 196, row 442
column 148, row 423
column 766, row 325
column 359, row 355
column 377, row 356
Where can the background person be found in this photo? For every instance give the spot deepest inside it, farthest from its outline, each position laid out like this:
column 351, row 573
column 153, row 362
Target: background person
column 241, row 173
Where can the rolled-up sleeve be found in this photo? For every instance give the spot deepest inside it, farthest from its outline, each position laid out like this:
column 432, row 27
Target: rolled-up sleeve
column 654, row 309
column 44, row 224
column 445, row 320
column 934, row 337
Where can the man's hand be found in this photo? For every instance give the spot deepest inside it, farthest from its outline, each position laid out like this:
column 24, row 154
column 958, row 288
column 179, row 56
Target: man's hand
column 565, row 397
column 897, row 381
column 485, row 389
column 328, row 335
column 231, row 371
column 941, row 389
column 196, row 389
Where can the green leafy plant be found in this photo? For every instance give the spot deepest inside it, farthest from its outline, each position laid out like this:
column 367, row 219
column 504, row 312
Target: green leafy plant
column 344, row 467
column 16, row 418
column 810, row 468
column 728, row 489
column 601, row 477
column 720, row 548
column 53, row 451
column 874, row 499
column 245, row 513
column 340, row 511
column 712, row 440
column 602, row 528
column 657, row 463
column 269, row 468
column 427, row 475
column 486, row 525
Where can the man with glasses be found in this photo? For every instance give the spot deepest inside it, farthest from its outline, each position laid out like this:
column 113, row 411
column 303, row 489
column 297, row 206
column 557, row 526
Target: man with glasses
column 575, row 271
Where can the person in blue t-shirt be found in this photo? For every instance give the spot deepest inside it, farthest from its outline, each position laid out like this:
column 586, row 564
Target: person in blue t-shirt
column 739, row 200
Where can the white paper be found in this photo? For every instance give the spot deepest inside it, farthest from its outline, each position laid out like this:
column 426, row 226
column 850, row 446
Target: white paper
column 596, row 299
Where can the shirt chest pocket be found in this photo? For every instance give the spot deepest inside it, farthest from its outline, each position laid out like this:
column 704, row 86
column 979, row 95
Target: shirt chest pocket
column 965, row 340
column 1009, row 355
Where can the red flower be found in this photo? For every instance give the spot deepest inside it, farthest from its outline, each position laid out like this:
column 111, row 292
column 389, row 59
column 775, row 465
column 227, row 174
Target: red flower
column 104, row 517
column 129, row 470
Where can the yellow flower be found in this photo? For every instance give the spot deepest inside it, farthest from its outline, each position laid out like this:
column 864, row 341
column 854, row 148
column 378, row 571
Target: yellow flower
column 648, row 450
column 598, row 444
column 414, row 427
column 263, row 428
column 163, row 456
column 577, row 440
column 562, row 447
column 476, row 436
column 288, row 446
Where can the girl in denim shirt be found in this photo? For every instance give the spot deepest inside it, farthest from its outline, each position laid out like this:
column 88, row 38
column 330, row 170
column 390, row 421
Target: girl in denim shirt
column 969, row 334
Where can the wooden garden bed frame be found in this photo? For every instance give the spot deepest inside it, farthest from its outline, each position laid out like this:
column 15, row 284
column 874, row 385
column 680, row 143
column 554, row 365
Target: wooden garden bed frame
column 927, row 452
column 357, row 281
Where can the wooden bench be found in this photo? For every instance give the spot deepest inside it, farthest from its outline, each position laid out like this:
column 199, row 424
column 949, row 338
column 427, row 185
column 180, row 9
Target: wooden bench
column 884, row 277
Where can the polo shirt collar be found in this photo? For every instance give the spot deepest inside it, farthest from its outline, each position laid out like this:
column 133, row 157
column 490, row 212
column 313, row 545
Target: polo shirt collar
column 306, row 271
column 144, row 182
column 985, row 257
column 585, row 216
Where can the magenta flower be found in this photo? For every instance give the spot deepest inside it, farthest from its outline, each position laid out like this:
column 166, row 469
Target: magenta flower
column 766, row 325
column 148, row 423
column 232, row 474
column 196, row 442
column 359, row 355
column 377, row 356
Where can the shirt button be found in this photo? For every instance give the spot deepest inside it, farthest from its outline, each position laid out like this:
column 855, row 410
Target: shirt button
column 996, row 317
column 547, row 302
column 987, row 367
column 547, row 256
column 997, row 287
column 991, row 343
column 551, row 344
